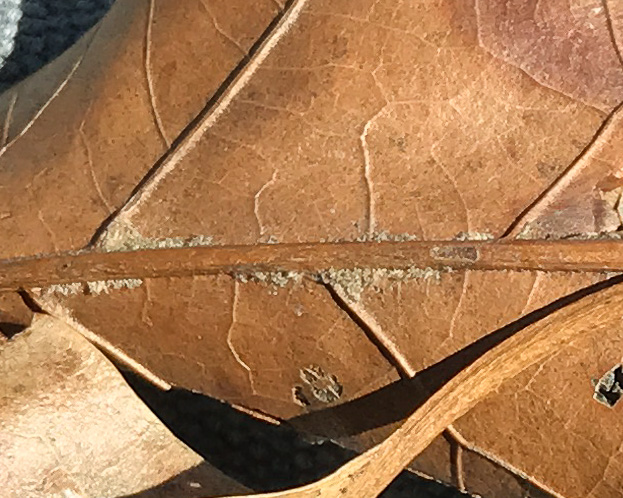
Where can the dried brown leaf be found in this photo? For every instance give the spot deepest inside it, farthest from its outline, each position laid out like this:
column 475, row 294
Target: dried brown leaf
column 63, row 404
column 320, row 123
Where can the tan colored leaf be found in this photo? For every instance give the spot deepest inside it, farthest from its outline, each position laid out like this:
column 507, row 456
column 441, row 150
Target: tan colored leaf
column 353, row 194
column 370, row 473
column 71, row 426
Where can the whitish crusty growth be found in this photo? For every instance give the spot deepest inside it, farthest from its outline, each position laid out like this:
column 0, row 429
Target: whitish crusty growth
column 121, row 236
column 63, row 289
column 276, row 278
column 384, row 236
column 94, row 287
column 352, row 282
column 105, row 286
column 474, row 236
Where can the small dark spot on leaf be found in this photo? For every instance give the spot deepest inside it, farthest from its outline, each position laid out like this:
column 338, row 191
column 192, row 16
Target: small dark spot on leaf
column 340, row 47
column 400, row 142
column 546, row 169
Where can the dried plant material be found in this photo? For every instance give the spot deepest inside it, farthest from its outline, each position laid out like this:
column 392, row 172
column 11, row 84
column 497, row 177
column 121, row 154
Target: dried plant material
column 291, row 262
column 291, row 183
column 368, row 474
column 97, row 162
column 62, row 403
column 296, row 319
column 579, row 201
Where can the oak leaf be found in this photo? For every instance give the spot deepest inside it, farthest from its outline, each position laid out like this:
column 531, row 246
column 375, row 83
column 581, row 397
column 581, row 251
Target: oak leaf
column 386, row 187
column 62, row 403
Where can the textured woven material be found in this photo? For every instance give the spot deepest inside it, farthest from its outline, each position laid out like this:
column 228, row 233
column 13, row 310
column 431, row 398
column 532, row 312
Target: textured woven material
column 33, row 32
column 10, row 15
column 259, row 455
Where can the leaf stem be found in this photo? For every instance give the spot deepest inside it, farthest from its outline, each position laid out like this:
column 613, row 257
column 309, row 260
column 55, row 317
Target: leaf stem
column 312, row 258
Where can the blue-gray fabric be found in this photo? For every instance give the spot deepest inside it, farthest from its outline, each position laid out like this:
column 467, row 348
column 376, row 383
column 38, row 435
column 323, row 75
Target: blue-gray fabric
column 33, row 32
